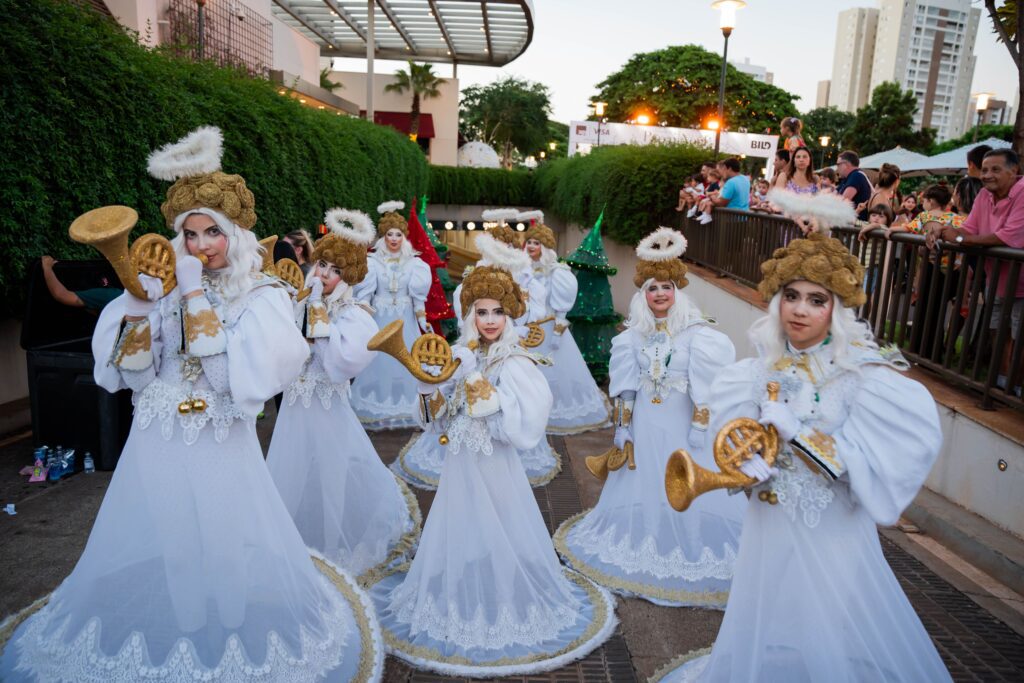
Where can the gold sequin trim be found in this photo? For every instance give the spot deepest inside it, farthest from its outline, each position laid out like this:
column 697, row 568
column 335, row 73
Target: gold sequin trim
column 436, row 404
column 137, row 339
column 405, row 544
column 367, row 656
column 203, row 322
column 677, row 662
column 823, row 446
column 316, row 313
column 480, row 390
column 701, row 416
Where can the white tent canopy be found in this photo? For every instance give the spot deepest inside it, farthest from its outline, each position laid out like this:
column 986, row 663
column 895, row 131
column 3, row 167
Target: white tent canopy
column 903, row 158
column 953, row 162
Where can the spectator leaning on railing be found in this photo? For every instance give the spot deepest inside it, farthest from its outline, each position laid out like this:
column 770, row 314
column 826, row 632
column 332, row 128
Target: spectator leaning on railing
column 996, row 219
column 735, row 193
column 855, row 188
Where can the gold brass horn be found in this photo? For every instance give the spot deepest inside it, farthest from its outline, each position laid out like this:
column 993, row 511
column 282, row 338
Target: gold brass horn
column 289, row 271
column 428, row 349
column 107, row 229
column 737, row 442
column 611, row 460
column 535, row 337
column 268, row 244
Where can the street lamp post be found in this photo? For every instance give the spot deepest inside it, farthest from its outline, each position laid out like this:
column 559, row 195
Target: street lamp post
column 727, row 24
column 599, row 112
column 823, row 140
column 980, row 105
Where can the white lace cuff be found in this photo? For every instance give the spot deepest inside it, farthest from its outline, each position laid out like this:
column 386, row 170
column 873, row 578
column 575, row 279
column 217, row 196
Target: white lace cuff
column 622, row 415
column 134, row 348
column 204, row 334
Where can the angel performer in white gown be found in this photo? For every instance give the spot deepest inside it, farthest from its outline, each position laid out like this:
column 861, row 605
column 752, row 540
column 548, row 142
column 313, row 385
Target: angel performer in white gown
column 384, row 395
column 345, row 502
column 813, row 598
column 194, row 570
column 661, row 372
column 485, row 595
column 580, row 406
column 420, row 460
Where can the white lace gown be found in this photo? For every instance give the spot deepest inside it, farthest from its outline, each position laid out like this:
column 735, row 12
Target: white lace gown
column 579, row 405
column 384, row 395
column 632, row 541
column 345, row 502
column 813, row 598
column 485, row 595
column 193, row 569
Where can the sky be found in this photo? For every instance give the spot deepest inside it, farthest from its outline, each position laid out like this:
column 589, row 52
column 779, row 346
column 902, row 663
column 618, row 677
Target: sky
column 577, row 43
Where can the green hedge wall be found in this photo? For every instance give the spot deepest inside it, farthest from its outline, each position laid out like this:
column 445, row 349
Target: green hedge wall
column 451, row 185
column 638, row 187
column 83, row 104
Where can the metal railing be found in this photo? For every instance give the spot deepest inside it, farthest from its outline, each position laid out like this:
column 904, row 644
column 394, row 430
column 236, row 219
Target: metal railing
column 943, row 307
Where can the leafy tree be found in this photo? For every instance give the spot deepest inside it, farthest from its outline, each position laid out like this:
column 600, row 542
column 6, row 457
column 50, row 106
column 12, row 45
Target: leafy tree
column 558, row 133
column 985, row 131
column 511, row 115
column 830, row 121
column 678, row 86
column 325, row 80
column 423, row 83
column 1008, row 22
column 887, row 121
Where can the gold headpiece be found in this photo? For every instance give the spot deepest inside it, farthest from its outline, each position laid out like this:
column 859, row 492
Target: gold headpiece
column 351, row 232
column 818, row 259
column 494, row 280
column 659, row 258
column 194, row 164
column 537, row 230
column 390, row 219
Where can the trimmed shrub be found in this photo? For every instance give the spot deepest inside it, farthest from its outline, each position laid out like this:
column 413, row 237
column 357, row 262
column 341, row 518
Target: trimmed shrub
column 83, row 104
column 636, row 186
column 452, row 185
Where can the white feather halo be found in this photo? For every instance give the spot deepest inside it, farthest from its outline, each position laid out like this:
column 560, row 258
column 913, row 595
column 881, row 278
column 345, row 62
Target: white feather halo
column 664, row 244
column 499, row 215
column 527, row 216
column 828, row 209
column 198, row 152
column 501, row 255
column 355, row 226
column 388, row 207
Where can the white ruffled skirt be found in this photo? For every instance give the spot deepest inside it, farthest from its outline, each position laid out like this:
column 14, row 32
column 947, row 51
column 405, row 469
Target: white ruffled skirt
column 579, row 404
column 345, row 502
column 194, row 569
column 634, row 543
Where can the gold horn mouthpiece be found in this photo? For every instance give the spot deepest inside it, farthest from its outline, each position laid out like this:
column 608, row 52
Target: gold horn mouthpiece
column 428, row 349
column 737, row 442
column 107, row 229
column 268, row 244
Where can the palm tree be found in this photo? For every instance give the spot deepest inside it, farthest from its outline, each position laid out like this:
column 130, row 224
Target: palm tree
column 423, row 82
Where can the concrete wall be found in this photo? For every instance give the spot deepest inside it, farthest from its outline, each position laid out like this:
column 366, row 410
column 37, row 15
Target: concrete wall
column 444, row 146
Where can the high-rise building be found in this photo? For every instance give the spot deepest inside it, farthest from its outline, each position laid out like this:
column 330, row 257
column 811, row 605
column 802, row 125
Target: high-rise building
column 822, row 98
column 758, row 73
column 851, row 63
column 927, row 46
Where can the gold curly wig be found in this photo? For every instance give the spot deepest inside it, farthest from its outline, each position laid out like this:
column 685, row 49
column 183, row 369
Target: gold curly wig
column 504, row 233
column 348, row 256
column 818, row 259
column 541, row 233
column 488, row 282
column 662, row 271
column 224, row 192
column 392, row 220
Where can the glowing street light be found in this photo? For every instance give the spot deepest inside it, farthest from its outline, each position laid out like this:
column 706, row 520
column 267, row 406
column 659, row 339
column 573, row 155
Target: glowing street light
column 824, row 140
column 599, row 113
column 712, row 124
column 727, row 23
column 980, row 105
column 643, row 119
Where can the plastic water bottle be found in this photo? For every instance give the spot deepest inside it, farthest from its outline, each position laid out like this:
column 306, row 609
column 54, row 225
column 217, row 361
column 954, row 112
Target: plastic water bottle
column 88, row 466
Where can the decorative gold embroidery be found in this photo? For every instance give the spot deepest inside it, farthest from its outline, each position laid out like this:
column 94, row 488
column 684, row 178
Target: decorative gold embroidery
column 137, row 339
column 701, row 416
column 367, row 655
column 824, row 447
column 480, row 390
column 316, row 313
column 203, row 322
column 559, row 329
column 801, row 362
column 436, row 404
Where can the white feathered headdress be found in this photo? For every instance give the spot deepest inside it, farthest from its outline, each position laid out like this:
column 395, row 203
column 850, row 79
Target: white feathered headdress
column 527, row 216
column 197, row 153
column 661, row 245
column 388, row 207
column 814, row 213
column 500, row 216
column 500, row 255
column 354, row 226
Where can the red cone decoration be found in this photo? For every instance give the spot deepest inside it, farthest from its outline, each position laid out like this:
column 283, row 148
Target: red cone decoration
column 437, row 305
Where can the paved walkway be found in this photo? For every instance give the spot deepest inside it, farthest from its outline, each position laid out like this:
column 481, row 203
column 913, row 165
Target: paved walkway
column 40, row 545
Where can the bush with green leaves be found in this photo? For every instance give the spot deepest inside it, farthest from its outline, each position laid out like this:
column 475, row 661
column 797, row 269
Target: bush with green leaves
column 637, row 186
column 83, row 104
column 493, row 186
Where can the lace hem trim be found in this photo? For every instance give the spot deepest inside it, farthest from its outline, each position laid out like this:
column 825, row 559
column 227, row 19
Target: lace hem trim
column 305, row 386
column 160, row 400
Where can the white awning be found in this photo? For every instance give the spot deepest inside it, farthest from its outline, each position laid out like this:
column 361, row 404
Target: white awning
column 953, row 162
column 481, row 32
column 903, row 158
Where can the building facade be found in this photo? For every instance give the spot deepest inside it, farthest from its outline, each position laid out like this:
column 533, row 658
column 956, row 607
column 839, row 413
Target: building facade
column 758, row 73
column 850, row 87
column 821, row 100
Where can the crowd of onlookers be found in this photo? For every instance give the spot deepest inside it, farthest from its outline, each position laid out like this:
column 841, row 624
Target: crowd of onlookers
column 985, row 207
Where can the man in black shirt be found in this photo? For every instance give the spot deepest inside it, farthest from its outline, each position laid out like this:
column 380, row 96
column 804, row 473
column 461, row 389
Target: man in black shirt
column 855, row 186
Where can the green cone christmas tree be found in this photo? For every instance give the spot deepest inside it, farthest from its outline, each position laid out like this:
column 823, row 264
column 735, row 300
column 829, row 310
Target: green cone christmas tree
column 593, row 316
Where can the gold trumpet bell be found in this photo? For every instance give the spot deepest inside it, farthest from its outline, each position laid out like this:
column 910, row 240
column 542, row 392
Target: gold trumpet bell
column 611, row 460
column 289, row 271
column 268, row 244
column 598, row 465
column 428, row 349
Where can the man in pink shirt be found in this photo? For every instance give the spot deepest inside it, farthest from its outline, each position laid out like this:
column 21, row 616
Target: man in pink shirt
column 997, row 219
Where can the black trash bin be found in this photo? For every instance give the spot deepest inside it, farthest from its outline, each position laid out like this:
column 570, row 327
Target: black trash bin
column 68, row 408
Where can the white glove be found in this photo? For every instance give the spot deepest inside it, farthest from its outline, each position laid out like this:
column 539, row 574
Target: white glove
column 189, row 272
column 522, row 331
column 426, row 389
column 466, row 358
column 622, row 435
column 154, row 288
column 554, row 339
column 316, row 290
column 782, row 418
column 696, row 439
column 756, row 468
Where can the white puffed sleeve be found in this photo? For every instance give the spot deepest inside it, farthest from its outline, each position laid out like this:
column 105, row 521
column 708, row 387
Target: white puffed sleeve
column 367, row 287
column 457, row 304
column 710, row 352
column 343, row 353
column 525, row 400
column 536, row 292
column 623, row 368
column 265, row 350
column 563, row 286
column 105, row 339
column 735, row 393
column 419, row 282
column 889, row 442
